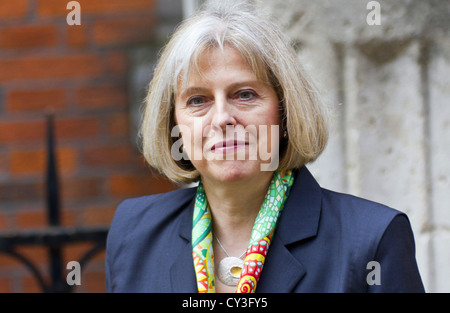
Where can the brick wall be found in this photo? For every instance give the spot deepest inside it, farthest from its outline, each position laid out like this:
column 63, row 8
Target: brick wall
column 80, row 74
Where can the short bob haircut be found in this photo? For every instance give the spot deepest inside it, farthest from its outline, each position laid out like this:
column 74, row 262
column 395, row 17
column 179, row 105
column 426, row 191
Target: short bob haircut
column 272, row 58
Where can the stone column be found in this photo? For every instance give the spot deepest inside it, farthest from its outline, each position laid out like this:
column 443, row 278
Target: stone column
column 388, row 88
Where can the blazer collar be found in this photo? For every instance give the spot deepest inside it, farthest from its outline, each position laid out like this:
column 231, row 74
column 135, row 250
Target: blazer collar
column 282, row 270
column 300, row 217
column 299, row 220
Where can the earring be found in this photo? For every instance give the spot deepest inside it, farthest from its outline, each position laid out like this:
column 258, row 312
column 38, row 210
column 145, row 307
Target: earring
column 285, row 134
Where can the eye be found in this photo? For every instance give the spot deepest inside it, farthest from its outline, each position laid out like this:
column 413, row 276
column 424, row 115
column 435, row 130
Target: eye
column 246, row 95
column 196, row 101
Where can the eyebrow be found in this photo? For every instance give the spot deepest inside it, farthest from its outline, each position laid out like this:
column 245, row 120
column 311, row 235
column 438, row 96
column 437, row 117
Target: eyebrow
column 194, row 89
column 253, row 83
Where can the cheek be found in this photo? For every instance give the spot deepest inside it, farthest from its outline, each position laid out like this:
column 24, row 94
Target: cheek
column 269, row 126
column 270, row 117
column 274, row 113
column 191, row 136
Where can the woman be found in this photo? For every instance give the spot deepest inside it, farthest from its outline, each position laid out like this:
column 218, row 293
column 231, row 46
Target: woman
column 230, row 107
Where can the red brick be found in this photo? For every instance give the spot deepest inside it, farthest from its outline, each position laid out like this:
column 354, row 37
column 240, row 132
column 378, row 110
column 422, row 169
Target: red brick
column 50, row 67
column 99, row 215
column 28, row 37
column 38, row 219
column 13, row 9
column 29, row 162
column 22, row 131
column 36, row 253
column 102, row 96
column 67, row 217
column 117, row 63
column 5, row 285
column 2, row 223
column 35, row 162
column 35, row 100
column 119, row 125
column 39, row 257
column 57, row 7
column 7, row 261
column 94, row 281
column 79, row 188
column 21, row 191
column 30, row 284
column 138, row 185
column 4, row 164
column 82, row 127
column 75, row 251
column 108, row 156
column 32, row 219
column 77, row 35
column 123, row 32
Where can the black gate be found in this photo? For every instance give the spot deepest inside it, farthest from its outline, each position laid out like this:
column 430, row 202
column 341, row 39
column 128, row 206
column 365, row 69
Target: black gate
column 55, row 236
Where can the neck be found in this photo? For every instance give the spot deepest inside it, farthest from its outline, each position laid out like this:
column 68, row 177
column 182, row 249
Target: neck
column 234, row 207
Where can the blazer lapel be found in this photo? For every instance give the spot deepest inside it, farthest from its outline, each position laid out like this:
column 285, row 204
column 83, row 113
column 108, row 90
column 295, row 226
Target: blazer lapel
column 299, row 220
column 182, row 272
column 281, row 272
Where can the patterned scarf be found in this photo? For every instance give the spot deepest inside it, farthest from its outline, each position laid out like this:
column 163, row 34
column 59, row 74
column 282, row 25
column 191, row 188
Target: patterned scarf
column 261, row 236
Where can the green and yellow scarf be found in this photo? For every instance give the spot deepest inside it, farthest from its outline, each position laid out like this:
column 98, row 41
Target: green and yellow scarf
column 261, row 236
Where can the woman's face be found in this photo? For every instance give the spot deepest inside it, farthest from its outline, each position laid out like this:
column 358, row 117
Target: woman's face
column 228, row 118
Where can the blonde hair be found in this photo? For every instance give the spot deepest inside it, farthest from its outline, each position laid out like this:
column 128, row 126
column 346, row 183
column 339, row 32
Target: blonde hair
column 267, row 51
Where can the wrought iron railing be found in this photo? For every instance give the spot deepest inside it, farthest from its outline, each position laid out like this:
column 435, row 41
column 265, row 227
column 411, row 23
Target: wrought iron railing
column 54, row 237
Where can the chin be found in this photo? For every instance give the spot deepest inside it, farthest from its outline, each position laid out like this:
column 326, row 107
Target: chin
column 231, row 171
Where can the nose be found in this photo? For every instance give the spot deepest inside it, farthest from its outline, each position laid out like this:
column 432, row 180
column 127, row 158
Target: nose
column 223, row 114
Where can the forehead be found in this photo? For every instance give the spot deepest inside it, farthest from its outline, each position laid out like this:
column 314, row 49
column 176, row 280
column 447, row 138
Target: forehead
column 207, row 62
column 215, row 60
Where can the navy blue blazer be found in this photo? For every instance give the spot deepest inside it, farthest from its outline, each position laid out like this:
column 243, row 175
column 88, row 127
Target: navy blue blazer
column 323, row 242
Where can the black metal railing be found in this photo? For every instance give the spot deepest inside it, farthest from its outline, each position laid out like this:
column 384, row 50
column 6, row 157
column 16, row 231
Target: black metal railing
column 54, row 237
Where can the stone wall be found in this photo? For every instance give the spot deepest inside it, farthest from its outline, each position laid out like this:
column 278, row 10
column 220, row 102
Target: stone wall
column 388, row 88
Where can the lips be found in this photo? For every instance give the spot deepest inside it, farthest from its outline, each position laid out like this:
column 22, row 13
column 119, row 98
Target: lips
column 228, row 145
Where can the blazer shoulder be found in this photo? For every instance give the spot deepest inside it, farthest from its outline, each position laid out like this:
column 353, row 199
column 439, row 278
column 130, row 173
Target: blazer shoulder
column 364, row 220
column 369, row 231
column 151, row 208
column 139, row 223
column 354, row 207
column 142, row 214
